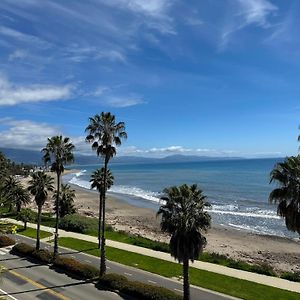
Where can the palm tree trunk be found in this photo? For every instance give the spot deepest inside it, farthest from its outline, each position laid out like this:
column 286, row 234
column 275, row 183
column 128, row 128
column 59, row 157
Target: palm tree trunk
column 103, row 255
column 99, row 219
column 57, row 216
column 37, row 247
column 186, row 281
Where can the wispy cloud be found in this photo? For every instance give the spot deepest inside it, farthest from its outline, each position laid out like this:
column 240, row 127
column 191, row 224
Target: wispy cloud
column 23, row 37
column 12, row 94
column 17, row 54
column 115, row 101
column 246, row 13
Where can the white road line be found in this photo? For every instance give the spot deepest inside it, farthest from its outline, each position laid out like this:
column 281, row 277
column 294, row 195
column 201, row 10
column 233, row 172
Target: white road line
column 108, row 268
column 8, row 295
column 178, row 290
column 128, row 274
column 73, row 256
column 151, row 281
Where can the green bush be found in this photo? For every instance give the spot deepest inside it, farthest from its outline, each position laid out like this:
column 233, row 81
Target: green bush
column 113, row 281
column 136, row 289
column 43, row 255
column 6, row 241
column 23, row 249
column 75, row 267
column 78, row 223
column 292, row 276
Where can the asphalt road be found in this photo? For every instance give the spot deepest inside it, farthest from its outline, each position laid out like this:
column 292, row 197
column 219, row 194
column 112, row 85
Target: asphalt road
column 26, row 280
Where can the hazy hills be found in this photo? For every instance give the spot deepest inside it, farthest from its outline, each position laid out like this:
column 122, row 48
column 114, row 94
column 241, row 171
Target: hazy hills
column 35, row 157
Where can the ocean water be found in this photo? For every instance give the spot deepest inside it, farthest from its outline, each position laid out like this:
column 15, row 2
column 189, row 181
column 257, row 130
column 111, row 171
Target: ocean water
column 238, row 190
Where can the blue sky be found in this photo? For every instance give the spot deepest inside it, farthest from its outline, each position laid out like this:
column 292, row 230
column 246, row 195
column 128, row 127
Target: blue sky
column 218, row 78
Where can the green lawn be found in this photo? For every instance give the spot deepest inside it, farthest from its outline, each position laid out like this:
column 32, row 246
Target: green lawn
column 31, row 232
column 224, row 284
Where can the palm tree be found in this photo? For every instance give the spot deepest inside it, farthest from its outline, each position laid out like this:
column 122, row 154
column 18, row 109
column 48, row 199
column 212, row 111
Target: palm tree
column 39, row 186
column 58, row 152
column 183, row 217
column 66, row 201
column 97, row 181
column 105, row 134
column 15, row 194
column 287, row 175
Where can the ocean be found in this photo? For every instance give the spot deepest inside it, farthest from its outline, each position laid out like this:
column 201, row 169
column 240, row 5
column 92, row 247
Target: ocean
column 238, row 190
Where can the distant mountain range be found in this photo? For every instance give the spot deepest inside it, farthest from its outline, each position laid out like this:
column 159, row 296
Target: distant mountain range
column 35, row 157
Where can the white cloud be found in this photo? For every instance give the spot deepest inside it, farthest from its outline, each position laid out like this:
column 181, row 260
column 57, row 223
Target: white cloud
column 25, row 134
column 115, row 101
column 17, row 54
column 11, row 94
column 246, row 13
column 164, row 151
column 23, row 37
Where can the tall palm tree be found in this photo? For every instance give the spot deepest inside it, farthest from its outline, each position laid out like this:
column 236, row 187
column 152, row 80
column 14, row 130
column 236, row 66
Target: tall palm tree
column 287, row 195
column 58, row 152
column 105, row 135
column 39, row 186
column 184, row 218
column 15, row 194
column 66, row 200
column 97, row 182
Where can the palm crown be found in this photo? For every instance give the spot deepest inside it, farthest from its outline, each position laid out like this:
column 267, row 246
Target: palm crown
column 105, row 134
column 287, row 194
column 39, row 186
column 59, row 152
column 97, row 179
column 183, row 217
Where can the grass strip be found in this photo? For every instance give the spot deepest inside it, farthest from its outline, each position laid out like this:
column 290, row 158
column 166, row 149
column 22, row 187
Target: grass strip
column 31, row 232
column 228, row 285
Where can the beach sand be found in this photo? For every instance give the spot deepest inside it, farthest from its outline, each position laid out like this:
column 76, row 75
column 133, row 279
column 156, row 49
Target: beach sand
column 282, row 254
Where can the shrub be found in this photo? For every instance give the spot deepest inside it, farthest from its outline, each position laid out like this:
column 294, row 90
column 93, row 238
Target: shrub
column 43, row 255
column 78, row 223
column 113, row 281
column 6, row 241
column 137, row 289
column 23, row 249
column 75, row 267
column 292, row 276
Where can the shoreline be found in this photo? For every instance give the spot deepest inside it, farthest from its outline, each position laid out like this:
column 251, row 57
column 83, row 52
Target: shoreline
column 282, row 253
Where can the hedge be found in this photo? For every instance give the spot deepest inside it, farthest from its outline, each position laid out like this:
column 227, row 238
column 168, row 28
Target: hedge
column 136, row 289
column 42, row 255
column 73, row 266
column 6, row 241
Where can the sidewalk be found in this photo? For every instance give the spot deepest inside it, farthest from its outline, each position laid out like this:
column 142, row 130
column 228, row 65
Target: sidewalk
column 258, row 278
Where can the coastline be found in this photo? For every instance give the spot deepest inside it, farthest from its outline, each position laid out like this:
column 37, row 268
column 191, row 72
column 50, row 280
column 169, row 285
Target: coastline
column 281, row 253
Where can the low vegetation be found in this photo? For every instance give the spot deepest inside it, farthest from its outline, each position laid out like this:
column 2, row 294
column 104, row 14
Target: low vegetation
column 231, row 286
column 88, row 225
column 6, row 241
column 73, row 266
column 136, row 289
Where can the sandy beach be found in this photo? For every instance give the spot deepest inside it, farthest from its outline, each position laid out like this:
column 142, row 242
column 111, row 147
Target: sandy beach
column 282, row 254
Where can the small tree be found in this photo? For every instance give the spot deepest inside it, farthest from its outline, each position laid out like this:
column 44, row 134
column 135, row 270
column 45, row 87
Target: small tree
column 39, row 186
column 59, row 152
column 184, row 218
column 26, row 215
column 66, row 201
column 97, row 181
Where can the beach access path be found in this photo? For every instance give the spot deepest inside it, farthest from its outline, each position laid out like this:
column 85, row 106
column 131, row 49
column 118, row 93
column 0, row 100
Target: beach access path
column 254, row 277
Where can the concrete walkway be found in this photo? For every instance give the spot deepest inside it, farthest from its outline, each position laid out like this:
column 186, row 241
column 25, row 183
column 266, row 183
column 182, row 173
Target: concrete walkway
column 258, row 278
